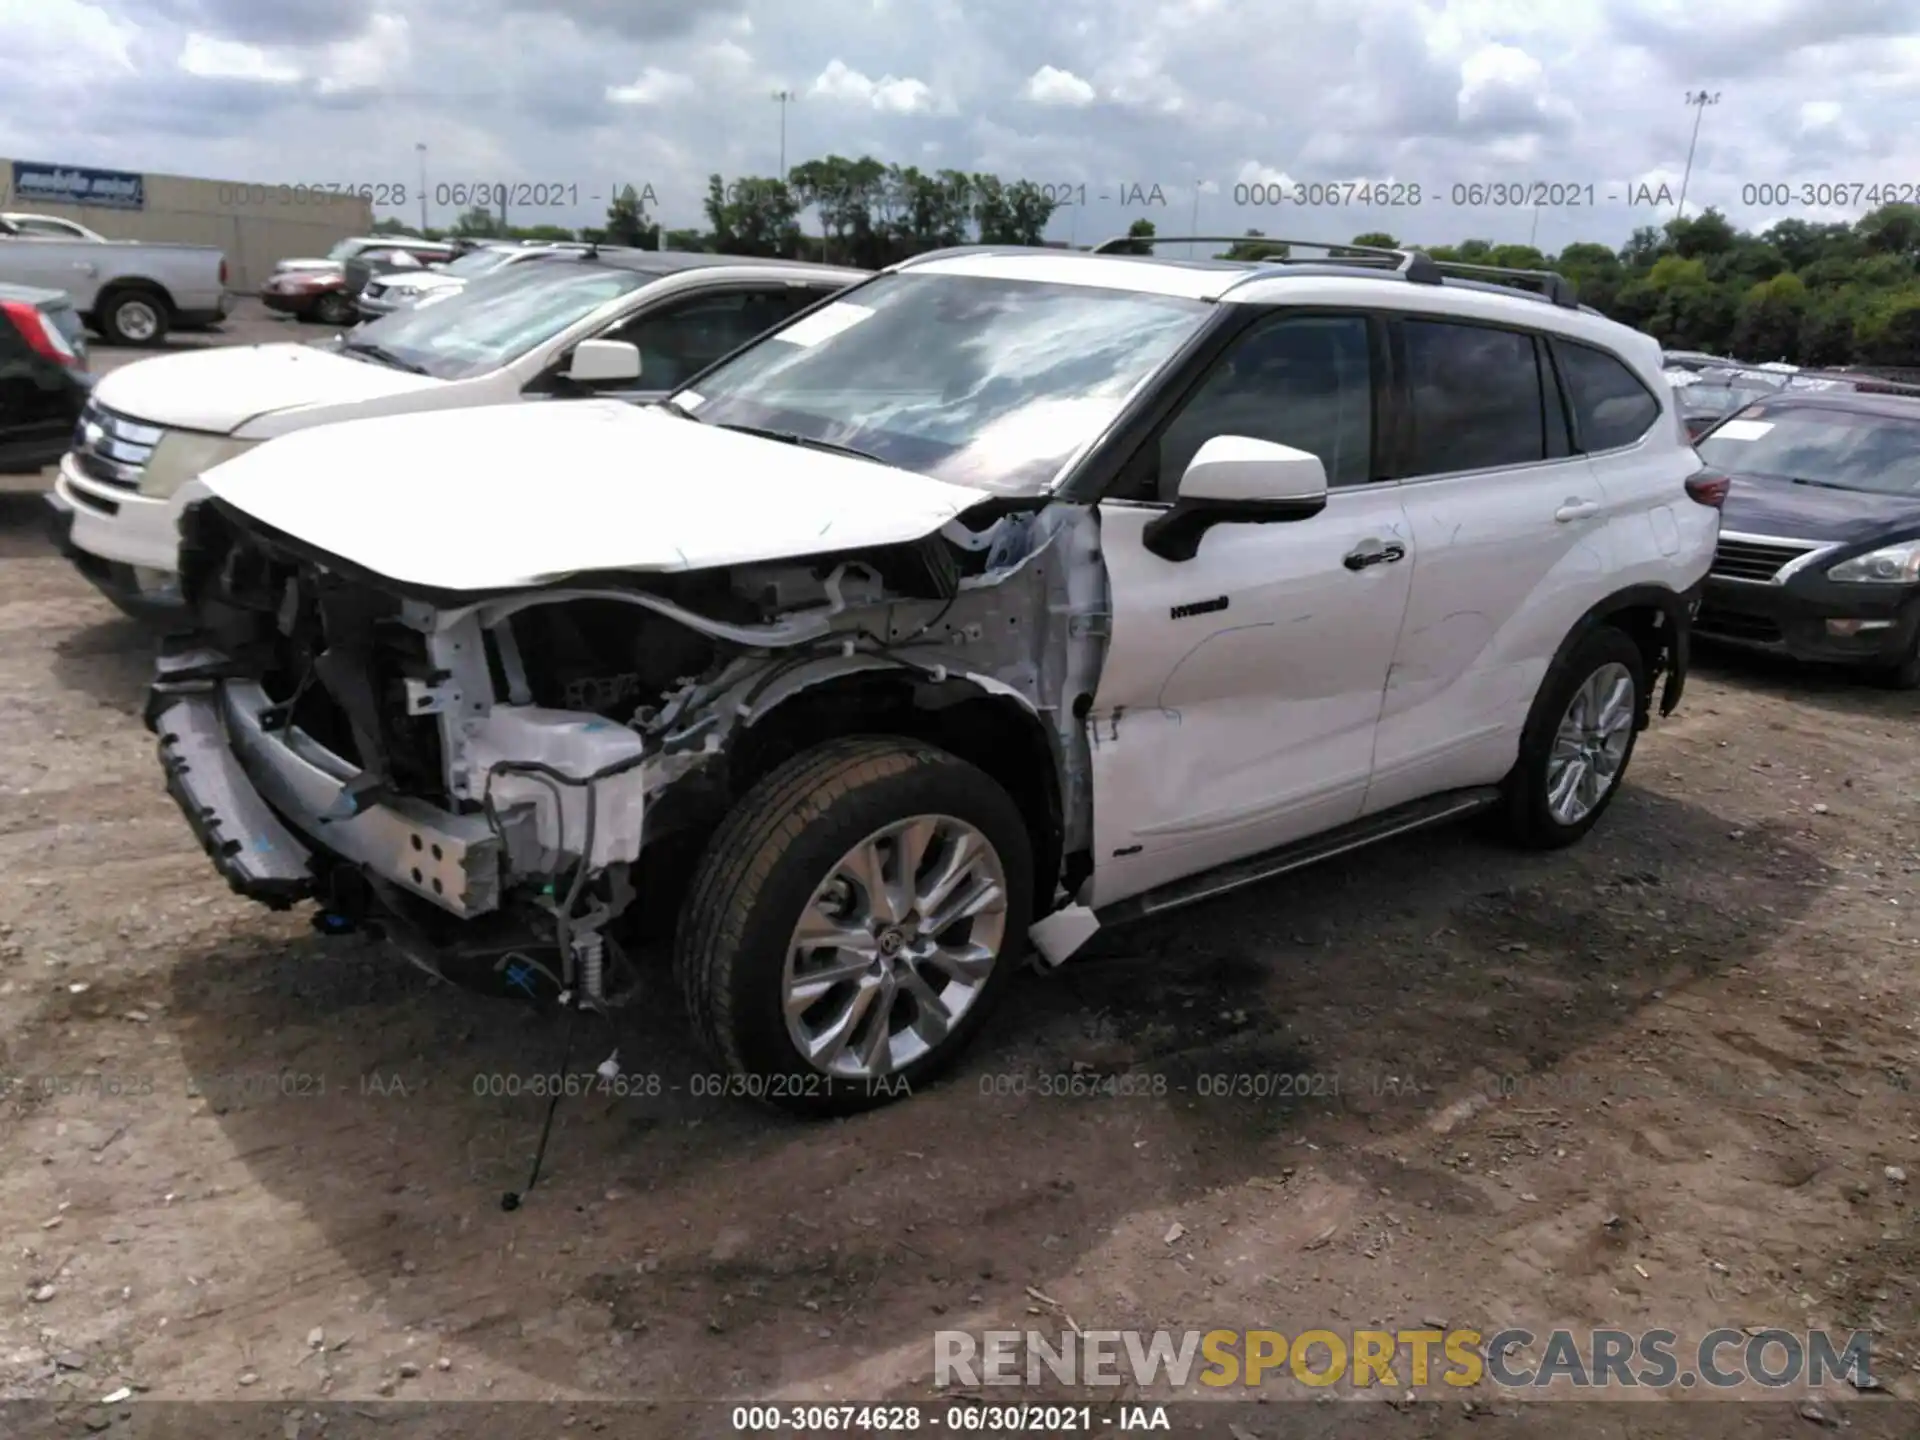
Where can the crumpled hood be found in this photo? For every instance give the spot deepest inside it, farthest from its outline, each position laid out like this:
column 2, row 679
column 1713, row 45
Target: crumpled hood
column 220, row 389
column 517, row 495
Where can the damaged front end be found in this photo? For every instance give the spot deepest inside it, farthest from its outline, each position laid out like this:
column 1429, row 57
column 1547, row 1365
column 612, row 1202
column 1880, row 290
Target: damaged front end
column 513, row 787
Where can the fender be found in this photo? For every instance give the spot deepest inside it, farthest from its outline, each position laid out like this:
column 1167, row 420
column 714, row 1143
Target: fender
column 1676, row 610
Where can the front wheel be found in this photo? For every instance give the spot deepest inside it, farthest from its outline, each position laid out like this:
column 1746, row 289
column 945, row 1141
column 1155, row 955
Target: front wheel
column 1578, row 741
column 334, row 308
column 853, row 922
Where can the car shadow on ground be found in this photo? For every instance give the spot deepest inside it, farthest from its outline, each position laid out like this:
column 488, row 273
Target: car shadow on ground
column 688, row 1243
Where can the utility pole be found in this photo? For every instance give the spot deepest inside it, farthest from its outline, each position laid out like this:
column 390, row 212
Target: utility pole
column 1699, row 100
column 784, row 98
column 421, row 146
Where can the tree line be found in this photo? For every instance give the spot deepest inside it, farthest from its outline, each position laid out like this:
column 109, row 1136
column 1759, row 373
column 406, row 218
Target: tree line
column 1810, row 293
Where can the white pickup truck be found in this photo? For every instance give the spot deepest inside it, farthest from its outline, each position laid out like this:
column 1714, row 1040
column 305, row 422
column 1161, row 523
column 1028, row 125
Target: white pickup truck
column 131, row 291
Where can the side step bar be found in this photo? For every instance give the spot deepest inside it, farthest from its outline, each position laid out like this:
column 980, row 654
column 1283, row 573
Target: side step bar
column 1434, row 810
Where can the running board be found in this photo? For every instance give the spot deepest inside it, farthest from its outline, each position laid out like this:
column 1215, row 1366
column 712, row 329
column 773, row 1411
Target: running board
column 1434, row 810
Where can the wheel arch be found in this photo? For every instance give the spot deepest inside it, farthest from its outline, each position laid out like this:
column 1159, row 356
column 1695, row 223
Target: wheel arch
column 1659, row 620
column 136, row 284
column 972, row 717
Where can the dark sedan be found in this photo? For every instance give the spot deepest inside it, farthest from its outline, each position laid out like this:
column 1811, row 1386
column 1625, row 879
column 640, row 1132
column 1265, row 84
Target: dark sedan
column 43, row 376
column 1819, row 554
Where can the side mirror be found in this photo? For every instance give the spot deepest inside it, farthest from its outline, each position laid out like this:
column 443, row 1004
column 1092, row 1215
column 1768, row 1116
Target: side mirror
column 598, row 362
column 1235, row 480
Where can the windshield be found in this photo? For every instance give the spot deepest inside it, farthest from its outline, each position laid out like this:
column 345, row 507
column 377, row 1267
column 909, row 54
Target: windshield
column 983, row 382
column 343, row 251
column 496, row 319
column 1842, row 448
column 476, row 262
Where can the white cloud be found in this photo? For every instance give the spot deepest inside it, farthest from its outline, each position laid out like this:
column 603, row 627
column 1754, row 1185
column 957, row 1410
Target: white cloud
column 654, row 87
column 214, row 59
column 368, row 61
column 1048, row 86
column 893, row 95
column 66, row 37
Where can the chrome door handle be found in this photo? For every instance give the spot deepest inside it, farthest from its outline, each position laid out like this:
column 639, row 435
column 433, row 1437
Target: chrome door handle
column 1576, row 509
column 1372, row 552
column 83, row 265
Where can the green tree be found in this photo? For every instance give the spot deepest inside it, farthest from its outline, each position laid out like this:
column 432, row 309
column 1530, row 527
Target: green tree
column 755, row 215
column 1379, row 239
column 479, row 223
column 627, row 222
column 1770, row 318
column 1139, row 233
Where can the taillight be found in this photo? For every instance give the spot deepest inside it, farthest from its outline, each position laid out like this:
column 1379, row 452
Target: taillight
column 45, row 340
column 1708, row 488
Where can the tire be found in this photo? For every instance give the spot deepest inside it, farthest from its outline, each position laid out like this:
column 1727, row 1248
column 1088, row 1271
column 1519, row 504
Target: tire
column 134, row 316
column 1902, row 674
column 782, row 846
column 1529, row 813
column 334, row 309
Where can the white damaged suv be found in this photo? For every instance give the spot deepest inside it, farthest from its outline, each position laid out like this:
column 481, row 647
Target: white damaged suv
column 1008, row 595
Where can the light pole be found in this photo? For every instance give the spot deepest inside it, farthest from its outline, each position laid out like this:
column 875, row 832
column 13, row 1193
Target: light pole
column 421, row 146
column 1699, row 99
column 784, row 98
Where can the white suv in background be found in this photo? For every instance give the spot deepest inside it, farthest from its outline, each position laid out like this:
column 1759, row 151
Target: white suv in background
column 1008, row 595
column 629, row 324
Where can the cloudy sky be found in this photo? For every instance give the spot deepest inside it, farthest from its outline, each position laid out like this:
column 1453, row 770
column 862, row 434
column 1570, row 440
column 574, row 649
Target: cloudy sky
column 1204, row 101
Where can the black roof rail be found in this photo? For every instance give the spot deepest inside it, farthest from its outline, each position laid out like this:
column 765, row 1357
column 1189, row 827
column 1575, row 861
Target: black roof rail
column 1414, row 264
column 1554, row 286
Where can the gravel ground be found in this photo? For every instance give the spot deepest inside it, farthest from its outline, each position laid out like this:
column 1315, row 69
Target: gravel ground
column 1662, row 1079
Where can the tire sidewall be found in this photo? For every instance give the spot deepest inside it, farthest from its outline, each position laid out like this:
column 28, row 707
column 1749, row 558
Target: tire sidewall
column 951, row 787
column 1531, row 814
column 333, row 310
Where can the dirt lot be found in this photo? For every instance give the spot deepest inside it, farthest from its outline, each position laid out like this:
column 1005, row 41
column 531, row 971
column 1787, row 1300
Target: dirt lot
column 1664, row 1079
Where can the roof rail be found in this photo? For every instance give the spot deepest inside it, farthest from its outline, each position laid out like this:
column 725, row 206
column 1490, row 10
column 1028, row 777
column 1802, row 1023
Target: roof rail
column 1415, row 265
column 948, row 252
column 1555, row 286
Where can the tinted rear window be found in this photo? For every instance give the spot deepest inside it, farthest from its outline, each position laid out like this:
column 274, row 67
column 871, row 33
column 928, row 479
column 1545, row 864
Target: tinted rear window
column 1611, row 408
column 1476, row 397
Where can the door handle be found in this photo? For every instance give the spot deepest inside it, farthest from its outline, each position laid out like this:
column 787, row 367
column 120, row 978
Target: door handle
column 1576, row 509
column 1372, row 552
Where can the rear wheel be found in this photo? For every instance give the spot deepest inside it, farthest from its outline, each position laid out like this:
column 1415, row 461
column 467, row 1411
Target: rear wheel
column 853, row 922
column 1578, row 741
column 133, row 317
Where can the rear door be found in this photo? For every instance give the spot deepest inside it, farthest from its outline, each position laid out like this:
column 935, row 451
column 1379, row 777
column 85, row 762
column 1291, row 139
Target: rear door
column 1510, row 539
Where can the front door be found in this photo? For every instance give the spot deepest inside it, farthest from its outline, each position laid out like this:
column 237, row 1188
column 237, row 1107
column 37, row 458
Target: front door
column 1237, row 705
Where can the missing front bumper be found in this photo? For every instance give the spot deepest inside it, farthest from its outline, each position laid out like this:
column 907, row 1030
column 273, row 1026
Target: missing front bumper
column 262, row 803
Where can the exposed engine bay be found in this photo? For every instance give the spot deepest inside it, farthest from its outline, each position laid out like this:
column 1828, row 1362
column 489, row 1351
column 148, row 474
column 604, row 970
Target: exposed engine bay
column 512, row 786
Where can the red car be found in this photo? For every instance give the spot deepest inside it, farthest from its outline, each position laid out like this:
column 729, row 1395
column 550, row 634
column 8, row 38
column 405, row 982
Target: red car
column 310, row 295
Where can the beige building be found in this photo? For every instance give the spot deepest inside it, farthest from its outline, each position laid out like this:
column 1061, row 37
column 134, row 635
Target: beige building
column 255, row 224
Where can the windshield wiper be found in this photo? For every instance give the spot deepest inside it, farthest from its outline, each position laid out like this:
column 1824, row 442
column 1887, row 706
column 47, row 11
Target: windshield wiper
column 383, row 355
column 1821, row 484
column 807, row 442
